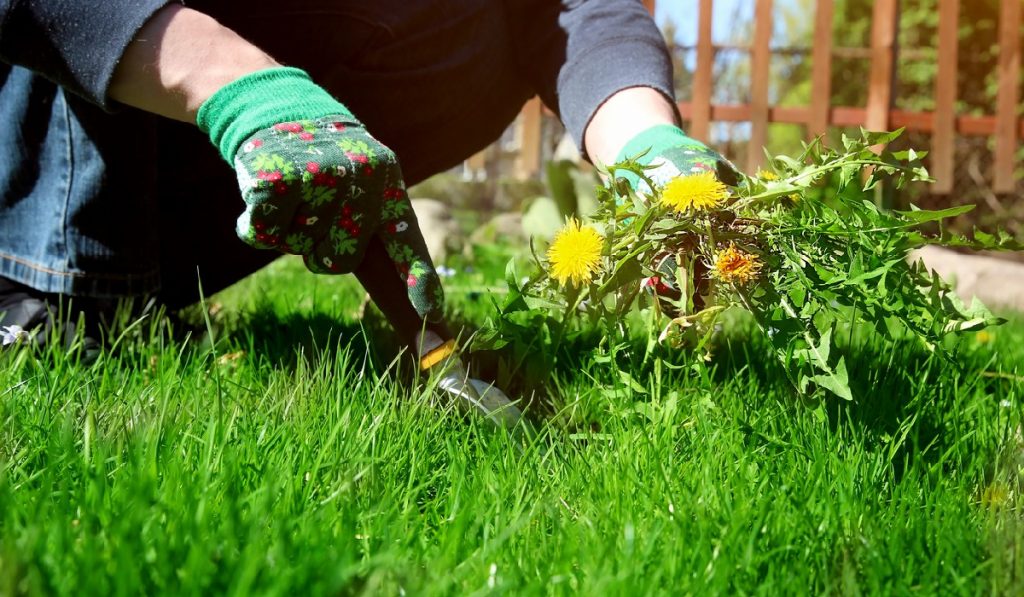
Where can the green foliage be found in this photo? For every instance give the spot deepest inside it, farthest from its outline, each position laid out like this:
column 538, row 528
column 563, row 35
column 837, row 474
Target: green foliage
column 820, row 259
column 287, row 458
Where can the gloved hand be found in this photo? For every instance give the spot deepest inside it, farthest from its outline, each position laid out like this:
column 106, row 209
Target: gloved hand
column 671, row 154
column 315, row 182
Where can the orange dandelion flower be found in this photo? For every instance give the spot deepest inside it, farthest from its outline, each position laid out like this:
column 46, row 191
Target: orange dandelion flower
column 736, row 266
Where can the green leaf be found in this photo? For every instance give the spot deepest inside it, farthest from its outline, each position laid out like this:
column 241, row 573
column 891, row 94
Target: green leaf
column 627, row 270
column 880, row 137
column 632, row 383
column 924, row 215
column 837, row 381
column 514, row 301
column 542, row 218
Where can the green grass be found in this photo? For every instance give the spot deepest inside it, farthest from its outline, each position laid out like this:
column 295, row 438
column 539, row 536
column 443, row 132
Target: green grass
column 293, row 458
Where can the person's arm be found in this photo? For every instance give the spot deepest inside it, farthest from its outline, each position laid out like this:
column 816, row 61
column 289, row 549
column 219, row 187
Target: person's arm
column 621, row 118
column 77, row 44
column 178, row 60
column 154, row 55
column 602, row 65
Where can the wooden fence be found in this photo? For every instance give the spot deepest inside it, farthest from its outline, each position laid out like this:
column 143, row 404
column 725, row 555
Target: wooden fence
column 943, row 124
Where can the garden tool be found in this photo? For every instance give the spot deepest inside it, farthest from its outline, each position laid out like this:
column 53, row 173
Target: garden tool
column 471, row 396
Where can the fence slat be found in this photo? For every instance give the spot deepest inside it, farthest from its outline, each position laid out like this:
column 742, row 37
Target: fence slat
column 477, row 163
column 821, row 64
column 848, row 116
column 700, row 117
column 944, row 140
column 883, row 44
column 528, row 159
column 760, row 71
column 1008, row 96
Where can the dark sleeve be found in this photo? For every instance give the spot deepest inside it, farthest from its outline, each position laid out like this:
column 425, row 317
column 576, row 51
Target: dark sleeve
column 578, row 53
column 75, row 43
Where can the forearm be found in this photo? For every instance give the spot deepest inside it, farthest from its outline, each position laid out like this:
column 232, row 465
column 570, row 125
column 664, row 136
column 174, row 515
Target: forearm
column 623, row 116
column 580, row 54
column 178, row 60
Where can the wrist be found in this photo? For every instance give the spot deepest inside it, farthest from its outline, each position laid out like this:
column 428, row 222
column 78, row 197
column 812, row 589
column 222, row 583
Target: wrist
column 623, row 116
column 262, row 99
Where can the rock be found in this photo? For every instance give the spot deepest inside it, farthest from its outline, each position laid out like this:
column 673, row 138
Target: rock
column 997, row 282
column 506, row 227
column 440, row 230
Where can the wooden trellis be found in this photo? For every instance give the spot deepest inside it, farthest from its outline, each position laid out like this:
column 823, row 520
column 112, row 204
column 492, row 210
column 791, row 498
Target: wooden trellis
column 943, row 124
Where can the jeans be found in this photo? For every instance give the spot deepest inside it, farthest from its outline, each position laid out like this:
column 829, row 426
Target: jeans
column 123, row 204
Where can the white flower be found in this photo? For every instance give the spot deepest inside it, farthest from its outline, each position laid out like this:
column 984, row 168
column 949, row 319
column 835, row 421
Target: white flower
column 402, row 226
column 14, row 334
column 248, row 147
column 445, row 272
column 311, row 220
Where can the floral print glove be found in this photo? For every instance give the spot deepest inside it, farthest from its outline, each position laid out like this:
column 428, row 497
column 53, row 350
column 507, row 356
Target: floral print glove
column 322, row 187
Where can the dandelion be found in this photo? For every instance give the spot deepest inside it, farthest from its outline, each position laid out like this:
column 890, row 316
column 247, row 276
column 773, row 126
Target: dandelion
column 995, row 495
column 575, row 254
column 736, row 266
column 767, row 175
column 697, row 191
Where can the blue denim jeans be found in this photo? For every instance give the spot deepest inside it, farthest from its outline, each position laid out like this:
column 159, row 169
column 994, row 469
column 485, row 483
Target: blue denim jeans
column 67, row 223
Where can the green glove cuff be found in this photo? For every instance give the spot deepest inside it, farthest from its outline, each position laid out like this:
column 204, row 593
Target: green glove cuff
column 260, row 100
column 655, row 141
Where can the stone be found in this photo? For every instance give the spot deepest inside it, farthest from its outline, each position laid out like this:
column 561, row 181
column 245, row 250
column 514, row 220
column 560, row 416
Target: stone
column 505, row 227
column 440, row 230
column 998, row 283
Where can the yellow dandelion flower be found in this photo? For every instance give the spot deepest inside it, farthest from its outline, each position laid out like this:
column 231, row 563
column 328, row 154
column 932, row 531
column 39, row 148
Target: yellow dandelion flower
column 767, row 175
column 736, row 266
column 575, row 254
column 995, row 495
column 697, row 191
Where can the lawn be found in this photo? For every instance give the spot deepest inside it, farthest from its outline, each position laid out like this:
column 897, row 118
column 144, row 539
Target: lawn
column 287, row 453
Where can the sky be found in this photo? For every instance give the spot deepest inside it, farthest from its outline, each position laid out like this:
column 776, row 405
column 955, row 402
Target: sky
column 684, row 14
